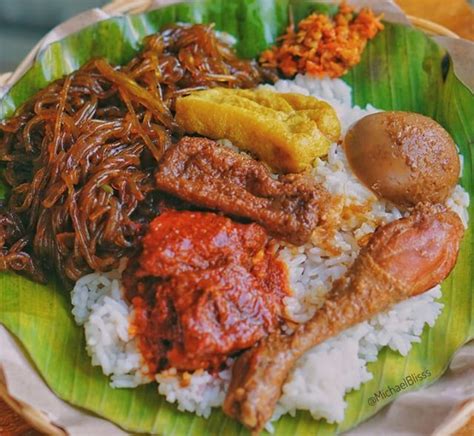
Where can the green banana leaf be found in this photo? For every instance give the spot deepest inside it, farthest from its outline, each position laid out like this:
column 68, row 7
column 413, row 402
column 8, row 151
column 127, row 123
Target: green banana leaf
column 400, row 69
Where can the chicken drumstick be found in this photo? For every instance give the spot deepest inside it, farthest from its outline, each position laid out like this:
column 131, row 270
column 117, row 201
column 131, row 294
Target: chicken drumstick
column 401, row 260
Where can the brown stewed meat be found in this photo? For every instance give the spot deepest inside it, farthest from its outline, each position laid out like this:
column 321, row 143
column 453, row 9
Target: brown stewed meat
column 208, row 175
column 402, row 259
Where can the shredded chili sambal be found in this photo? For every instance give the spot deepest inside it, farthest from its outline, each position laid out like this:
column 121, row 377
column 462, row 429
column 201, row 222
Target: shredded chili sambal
column 203, row 288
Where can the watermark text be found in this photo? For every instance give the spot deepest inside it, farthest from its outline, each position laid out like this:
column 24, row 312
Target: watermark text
column 389, row 391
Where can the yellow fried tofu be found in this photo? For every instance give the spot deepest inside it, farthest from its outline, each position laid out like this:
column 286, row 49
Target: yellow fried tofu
column 287, row 131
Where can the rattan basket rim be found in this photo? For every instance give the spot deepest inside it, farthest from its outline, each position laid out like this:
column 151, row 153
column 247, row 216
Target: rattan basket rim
column 137, row 6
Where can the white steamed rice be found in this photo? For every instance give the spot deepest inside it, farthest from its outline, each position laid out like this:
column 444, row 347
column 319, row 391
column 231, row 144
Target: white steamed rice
column 327, row 372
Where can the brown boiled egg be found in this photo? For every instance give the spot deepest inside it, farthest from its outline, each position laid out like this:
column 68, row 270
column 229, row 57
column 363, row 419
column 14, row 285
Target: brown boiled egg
column 403, row 157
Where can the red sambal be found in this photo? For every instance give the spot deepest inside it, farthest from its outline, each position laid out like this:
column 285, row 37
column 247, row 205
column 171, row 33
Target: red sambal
column 203, row 288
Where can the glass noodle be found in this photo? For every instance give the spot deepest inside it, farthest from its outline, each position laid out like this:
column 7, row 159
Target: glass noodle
column 80, row 155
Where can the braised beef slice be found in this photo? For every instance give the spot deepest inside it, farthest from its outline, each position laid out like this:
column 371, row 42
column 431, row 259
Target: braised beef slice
column 208, row 175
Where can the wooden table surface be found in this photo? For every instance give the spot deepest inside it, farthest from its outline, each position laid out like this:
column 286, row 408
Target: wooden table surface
column 456, row 15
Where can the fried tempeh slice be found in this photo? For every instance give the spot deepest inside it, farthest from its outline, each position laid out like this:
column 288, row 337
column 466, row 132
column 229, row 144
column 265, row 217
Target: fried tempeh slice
column 208, row 175
column 402, row 259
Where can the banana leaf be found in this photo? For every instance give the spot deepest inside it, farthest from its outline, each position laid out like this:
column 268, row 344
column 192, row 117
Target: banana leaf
column 400, row 69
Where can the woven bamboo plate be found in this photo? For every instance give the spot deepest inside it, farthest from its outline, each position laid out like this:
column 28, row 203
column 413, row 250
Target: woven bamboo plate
column 460, row 422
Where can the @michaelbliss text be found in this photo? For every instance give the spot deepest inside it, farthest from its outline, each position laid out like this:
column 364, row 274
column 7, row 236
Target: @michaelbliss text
column 389, row 391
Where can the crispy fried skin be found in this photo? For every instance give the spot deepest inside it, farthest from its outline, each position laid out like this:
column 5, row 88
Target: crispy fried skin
column 402, row 259
column 205, row 174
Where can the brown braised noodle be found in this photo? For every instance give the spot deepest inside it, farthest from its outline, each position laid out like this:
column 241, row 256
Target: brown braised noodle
column 79, row 155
